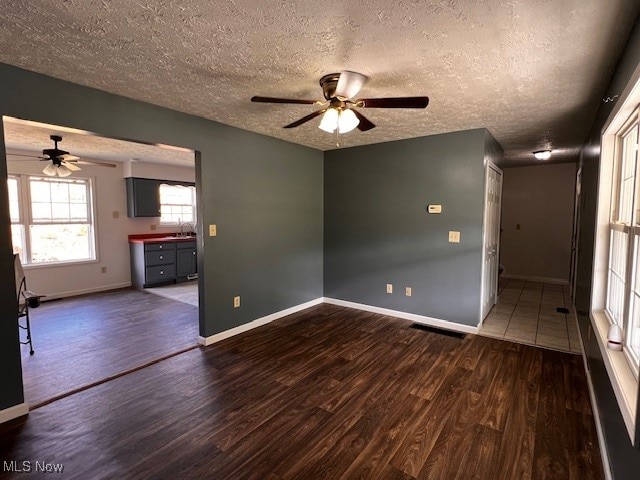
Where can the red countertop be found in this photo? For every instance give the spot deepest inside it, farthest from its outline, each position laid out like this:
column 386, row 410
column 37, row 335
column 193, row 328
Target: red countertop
column 158, row 237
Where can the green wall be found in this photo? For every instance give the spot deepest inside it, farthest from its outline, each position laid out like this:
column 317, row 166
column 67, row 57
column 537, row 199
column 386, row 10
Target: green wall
column 624, row 457
column 377, row 230
column 264, row 194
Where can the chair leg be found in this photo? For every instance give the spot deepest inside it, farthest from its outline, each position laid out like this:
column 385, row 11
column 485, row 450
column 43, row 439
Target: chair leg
column 29, row 339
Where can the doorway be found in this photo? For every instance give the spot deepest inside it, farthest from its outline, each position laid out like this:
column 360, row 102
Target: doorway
column 491, row 238
column 72, row 230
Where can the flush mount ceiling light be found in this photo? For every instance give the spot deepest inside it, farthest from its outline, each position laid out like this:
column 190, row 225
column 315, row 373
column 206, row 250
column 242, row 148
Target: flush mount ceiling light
column 542, row 154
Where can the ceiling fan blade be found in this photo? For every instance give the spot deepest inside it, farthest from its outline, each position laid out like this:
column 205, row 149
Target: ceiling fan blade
column 365, row 124
column 350, row 83
column 306, row 118
column 34, row 157
column 71, row 166
column 394, row 102
column 67, row 157
column 91, row 162
column 283, row 100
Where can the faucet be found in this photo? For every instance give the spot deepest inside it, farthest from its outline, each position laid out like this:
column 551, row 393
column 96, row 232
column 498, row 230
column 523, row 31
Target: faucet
column 182, row 225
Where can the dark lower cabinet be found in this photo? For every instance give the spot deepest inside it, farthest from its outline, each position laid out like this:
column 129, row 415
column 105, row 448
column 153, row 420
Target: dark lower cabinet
column 162, row 262
column 186, row 264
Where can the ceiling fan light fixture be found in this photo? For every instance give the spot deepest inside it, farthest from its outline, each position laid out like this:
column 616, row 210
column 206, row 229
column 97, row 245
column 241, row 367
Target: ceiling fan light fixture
column 542, row 154
column 63, row 171
column 50, row 170
column 347, row 121
column 329, row 121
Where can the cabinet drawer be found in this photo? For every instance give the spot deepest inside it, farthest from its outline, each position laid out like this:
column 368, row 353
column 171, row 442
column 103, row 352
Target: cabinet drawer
column 159, row 257
column 184, row 245
column 160, row 273
column 151, row 247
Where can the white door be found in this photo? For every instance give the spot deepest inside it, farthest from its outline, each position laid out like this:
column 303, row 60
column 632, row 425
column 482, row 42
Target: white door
column 491, row 238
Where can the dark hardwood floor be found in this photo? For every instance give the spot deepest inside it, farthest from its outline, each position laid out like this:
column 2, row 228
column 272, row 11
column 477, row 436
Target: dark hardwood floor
column 327, row 393
column 84, row 339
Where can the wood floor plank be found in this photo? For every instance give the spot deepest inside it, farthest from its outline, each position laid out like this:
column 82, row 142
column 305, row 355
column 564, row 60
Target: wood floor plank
column 551, row 453
column 326, row 393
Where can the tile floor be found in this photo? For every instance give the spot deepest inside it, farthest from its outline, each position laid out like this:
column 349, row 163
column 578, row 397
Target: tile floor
column 526, row 313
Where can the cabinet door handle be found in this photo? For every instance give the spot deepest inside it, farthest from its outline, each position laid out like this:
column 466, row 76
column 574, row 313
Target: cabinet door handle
column 160, row 247
column 161, row 272
column 160, row 257
column 194, row 253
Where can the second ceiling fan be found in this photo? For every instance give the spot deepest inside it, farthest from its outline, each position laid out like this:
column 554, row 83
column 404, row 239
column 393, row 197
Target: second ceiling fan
column 62, row 163
column 340, row 106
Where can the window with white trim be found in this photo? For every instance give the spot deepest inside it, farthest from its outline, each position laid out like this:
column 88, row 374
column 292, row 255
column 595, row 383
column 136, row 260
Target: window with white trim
column 52, row 219
column 15, row 212
column 177, row 204
column 623, row 275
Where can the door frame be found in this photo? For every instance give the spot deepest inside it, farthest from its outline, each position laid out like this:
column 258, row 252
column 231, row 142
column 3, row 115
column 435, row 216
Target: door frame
column 489, row 165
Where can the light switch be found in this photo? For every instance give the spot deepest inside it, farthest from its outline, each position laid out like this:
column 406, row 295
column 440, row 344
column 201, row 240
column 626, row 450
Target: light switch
column 213, row 231
column 236, row 302
column 454, row 237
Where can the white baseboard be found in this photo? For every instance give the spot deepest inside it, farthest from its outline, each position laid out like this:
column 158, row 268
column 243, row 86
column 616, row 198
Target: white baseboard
column 206, row 341
column 556, row 281
column 594, row 408
column 73, row 293
column 13, row 412
column 433, row 322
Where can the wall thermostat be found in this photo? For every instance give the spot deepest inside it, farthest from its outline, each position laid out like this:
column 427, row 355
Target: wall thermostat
column 434, row 208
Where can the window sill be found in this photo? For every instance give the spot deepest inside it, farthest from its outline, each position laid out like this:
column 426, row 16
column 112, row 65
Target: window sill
column 35, row 266
column 623, row 381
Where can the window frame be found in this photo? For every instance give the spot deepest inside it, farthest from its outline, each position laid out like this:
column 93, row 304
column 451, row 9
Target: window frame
column 619, row 370
column 630, row 228
column 25, row 207
column 193, row 204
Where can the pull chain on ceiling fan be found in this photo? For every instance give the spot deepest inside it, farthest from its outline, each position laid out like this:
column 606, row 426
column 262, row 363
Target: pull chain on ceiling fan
column 340, row 112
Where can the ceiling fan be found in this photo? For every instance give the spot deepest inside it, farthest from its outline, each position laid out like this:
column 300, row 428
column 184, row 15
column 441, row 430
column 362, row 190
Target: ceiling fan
column 340, row 107
column 62, row 163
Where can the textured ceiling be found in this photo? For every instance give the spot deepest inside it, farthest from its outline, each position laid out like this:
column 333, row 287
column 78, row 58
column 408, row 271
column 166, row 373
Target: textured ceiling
column 532, row 71
column 34, row 137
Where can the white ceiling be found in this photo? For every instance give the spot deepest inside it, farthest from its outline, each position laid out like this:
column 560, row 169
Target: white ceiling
column 32, row 137
column 532, row 71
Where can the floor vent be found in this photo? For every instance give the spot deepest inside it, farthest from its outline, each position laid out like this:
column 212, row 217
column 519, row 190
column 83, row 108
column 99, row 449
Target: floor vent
column 562, row 310
column 438, row 331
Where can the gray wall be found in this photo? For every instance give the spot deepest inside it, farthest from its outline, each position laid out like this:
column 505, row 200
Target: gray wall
column 540, row 200
column 625, row 458
column 265, row 195
column 377, row 230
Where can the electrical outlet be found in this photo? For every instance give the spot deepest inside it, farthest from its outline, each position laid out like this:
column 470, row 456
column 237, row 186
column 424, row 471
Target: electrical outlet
column 454, row 237
column 103, row 269
column 213, row 230
column 389, row 288
column 236, row 302
column 115, row 214
column 153, row 226
column 407, row 291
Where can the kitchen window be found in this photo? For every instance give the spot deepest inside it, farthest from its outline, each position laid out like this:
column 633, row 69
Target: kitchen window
column 52, row 219
column 177, row 204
